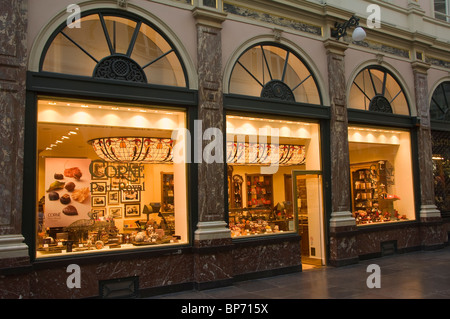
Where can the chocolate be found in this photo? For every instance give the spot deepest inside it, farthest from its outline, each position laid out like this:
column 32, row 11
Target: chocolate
column 53, row 196
column 70, row 210
column 58, row 176
column 65, row 199
column 70, row 186
column 73, row 172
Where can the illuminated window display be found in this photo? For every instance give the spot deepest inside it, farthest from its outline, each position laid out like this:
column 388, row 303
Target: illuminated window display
column 381, row 175
column 106, row 179
column 262, row 155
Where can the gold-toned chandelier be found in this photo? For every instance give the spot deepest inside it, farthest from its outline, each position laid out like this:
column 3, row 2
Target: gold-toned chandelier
column 265, row 154
column 133, row 149
column 159, row 150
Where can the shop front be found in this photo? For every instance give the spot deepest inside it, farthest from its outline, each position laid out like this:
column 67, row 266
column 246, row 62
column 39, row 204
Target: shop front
column 164, row 150
column 275, row 123
column 108, row 175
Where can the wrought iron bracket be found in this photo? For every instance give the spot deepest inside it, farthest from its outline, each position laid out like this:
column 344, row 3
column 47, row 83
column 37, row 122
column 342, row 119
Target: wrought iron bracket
column 341, row 28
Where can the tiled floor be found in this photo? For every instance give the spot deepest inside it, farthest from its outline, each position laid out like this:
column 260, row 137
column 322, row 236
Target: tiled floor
column 416, row 275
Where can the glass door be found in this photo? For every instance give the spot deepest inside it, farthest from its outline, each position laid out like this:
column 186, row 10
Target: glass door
column 308, row 204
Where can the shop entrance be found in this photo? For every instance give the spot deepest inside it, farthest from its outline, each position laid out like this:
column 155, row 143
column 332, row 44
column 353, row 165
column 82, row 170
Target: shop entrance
column 308, row 204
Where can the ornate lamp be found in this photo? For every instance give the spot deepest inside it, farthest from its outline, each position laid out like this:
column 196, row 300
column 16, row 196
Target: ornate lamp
column 341, row 29
column 133, row 149
column 265, row 154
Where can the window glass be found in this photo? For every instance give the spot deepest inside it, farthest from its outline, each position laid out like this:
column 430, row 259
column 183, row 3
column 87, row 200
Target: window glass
column 102, row 40
column 440, row 108
column 441, row 170
column 106, row 178
column 381, row 175
column 441, row 9
column 270, row 71
column 375, row 89
column 262, row 154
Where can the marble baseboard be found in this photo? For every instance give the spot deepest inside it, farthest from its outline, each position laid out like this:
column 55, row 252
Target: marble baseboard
column 254, row 258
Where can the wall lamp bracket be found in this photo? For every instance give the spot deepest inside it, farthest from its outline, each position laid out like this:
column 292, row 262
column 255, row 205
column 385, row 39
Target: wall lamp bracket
column 341, row 29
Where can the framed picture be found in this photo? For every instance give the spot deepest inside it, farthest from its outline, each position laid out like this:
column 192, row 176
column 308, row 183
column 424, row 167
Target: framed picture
column 115, row 212
column 132, row 210
column 98, row 201
column 113, row 197
column 98, row 188
column 98, row 212
column 98, row 170
column 130, row 196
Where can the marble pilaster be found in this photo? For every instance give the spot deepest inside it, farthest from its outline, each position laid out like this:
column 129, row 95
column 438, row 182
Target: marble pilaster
column 342, row 248
column 212, row 242
column 13, row 31
column 431, row 230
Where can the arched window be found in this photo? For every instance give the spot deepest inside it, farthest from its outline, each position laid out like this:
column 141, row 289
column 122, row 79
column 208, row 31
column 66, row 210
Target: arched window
column 440, row 134
column 440, row 103
column 110, row 46
column 376, row 89
column 103, row 138
column 275, row 72
column 381, row 166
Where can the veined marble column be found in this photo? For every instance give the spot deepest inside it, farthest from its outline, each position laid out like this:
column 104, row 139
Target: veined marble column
column 13, row 30
column 213, row 262
column 431, row 230
column 342, row 224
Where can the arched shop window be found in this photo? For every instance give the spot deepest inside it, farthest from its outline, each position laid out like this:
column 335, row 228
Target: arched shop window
column 376, row 89
column 380, row 156
column 274, row 161
column 440, row 114
column 109, row 46
column 105, row 178
column 440, row 103
column 274, row 72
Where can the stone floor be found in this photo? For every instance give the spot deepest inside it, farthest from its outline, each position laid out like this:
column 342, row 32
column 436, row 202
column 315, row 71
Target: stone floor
column 415, row 275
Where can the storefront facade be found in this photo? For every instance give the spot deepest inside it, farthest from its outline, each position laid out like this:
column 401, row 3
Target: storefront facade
column 166, row 145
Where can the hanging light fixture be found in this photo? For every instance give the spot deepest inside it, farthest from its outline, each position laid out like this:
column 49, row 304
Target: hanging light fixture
column 264, row 154
column 133, row 149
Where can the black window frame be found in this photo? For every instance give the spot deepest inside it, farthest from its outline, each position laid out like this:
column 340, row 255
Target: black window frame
column 82, row 87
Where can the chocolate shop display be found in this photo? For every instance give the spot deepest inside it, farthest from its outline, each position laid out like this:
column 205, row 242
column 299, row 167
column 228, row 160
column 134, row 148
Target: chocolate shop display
column 261, row 221
column 372, row 184
column 81, row 213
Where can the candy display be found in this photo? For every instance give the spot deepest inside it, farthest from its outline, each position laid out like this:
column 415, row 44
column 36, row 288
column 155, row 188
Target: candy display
column 371, row 186
column 257, row 221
